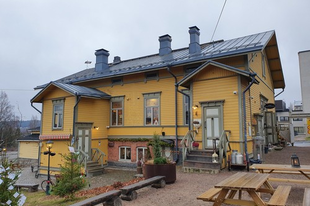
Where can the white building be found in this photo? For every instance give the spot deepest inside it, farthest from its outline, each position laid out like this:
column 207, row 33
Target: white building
column 304, row 69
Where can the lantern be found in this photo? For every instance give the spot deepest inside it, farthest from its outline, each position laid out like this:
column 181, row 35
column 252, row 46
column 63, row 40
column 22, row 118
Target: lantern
column 295, row 161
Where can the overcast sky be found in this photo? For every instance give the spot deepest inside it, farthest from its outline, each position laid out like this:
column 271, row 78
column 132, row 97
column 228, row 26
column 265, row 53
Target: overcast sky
column 44, row 40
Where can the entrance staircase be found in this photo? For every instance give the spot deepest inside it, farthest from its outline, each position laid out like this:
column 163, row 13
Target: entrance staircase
column 93, row 165
column 201, row 160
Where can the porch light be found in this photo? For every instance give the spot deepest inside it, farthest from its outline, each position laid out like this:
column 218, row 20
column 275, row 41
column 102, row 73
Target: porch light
column 295, row 161
column 96, row 128
column 49, row 144
column 195, row 107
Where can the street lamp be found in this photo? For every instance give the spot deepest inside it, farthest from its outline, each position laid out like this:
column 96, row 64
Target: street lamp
column 49, row 145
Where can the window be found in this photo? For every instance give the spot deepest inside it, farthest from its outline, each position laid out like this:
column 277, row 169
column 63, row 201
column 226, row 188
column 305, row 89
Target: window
column 263, row 66
column 297, row 119
column 117, row 111
column 185, row 107
column 141, row 153
column 151, row 105
column 263, row 101
column 124, row 153
column 58, row 106
column 299, row 130
column 117, row 81
column 151, row 76
column 284, row 119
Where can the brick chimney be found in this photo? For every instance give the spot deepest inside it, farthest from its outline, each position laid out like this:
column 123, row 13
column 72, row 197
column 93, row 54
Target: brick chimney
column 102, row 57
column 194, row 46
column 164, row 45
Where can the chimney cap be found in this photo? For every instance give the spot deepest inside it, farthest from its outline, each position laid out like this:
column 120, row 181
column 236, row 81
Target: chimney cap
column 165, row 37
column 102, row 51
column 194, row 27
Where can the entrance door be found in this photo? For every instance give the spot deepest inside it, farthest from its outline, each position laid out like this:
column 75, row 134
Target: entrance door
column 213, row 124
column 84, row 139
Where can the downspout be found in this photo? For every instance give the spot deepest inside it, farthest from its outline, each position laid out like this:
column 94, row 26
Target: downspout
column 40, row 143
column 176, row 113
column 252, row 75
column 35, row 108
column 279, row 93
column 78, row 98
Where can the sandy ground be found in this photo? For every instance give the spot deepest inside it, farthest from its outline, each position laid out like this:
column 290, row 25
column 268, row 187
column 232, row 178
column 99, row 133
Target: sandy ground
column 190, row 185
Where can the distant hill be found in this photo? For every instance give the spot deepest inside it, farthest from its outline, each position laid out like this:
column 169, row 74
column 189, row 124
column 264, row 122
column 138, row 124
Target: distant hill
column 26, row 123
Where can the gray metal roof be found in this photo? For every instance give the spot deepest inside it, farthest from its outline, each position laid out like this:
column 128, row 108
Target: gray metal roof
column 74, row 90
column 209, row 51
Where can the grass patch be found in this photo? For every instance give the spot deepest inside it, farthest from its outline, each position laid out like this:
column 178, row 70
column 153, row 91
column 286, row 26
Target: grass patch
column 308, row 138
column 41, row 199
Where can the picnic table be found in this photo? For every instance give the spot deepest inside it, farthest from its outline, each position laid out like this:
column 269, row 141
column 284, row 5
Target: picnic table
column 284, row 169
column 253, row 184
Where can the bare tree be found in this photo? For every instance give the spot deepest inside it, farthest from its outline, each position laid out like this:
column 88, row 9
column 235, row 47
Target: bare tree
column 9, row 128
column 34, row 122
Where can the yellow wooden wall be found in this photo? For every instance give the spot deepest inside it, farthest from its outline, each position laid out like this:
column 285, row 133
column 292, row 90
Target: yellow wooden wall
column 28, row 149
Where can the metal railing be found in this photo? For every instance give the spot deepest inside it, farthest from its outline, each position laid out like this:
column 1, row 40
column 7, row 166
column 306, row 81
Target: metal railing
column 187, row 142
column 224, row 147
column 97, row 155
column 83, row 158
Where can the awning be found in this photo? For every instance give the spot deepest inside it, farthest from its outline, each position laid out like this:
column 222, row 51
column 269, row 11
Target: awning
column 59, row 136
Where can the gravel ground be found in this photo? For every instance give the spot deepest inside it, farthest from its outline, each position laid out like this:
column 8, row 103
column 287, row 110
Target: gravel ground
column 189, row 185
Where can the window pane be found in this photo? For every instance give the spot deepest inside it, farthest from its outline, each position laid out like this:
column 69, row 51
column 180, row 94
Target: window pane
column 113, row 117
column 120, row 117
column 216, row 127
column 155, row 116
column 122, row 153
column 211, row 112
column 60, row 120
column 128, row 154
column 148, row 114
column 151, row 102
column 116, row 105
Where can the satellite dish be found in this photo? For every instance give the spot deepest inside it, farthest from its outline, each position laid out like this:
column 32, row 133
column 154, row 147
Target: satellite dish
column 269, row 106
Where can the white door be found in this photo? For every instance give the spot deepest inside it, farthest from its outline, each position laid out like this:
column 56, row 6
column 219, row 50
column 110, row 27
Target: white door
column 84, row 138
column 212, row 125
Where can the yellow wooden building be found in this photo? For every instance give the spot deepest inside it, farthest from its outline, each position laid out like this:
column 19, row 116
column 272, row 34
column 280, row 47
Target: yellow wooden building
column 109, row 112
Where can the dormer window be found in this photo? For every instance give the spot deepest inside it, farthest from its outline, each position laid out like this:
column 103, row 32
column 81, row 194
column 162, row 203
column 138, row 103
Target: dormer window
column 151, row 76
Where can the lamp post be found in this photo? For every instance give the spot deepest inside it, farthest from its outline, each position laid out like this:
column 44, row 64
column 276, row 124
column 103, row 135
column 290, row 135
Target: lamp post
column 49, row 145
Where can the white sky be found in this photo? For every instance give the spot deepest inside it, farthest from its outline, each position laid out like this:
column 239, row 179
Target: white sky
column 44, row 40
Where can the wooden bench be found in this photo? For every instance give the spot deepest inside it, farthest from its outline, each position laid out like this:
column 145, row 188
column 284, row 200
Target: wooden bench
column 129, row 192
column 209, row 194
column 110, row 198
column 31, row 187
column 306, row 201
column 280, row 196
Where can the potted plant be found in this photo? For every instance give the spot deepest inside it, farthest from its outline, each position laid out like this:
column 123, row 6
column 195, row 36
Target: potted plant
column 159, row 165
column 195, row 145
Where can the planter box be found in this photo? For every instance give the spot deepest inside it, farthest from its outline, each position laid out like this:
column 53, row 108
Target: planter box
column 167, row 170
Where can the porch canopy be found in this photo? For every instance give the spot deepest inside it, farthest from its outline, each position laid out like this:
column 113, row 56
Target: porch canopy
column 58, row 136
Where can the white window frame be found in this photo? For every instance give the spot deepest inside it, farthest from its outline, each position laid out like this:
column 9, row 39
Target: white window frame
column 144, row 151
column 119, row 153
column 116, row 99
column 148, row 96
column 58, row 116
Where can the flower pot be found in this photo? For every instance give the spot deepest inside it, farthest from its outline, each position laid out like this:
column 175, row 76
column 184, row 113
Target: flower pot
column 167, row 170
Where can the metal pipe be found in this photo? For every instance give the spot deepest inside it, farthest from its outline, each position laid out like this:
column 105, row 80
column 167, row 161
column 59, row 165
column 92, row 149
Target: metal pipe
column 78, row 98
column 279, row 93
column 252, row 75
column 176, row 113
column 35, row 108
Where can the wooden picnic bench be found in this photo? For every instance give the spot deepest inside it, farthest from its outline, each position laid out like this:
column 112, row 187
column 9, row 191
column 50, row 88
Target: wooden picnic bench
column 129, row 192
column 110, row 198
column 306, row 201
column 31, row 187
column 280, row 196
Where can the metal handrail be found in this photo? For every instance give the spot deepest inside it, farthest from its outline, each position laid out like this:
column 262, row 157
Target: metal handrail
column 187, row 142
column 97, row 155
column 84, row 158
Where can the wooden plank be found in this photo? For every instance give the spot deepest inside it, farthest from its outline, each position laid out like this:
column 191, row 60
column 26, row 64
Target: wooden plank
column 141, row 184
column 99, row 198
column 280, row 196
column 209, row 194
column 289, row 180
column 304, row 168
column 306, row 201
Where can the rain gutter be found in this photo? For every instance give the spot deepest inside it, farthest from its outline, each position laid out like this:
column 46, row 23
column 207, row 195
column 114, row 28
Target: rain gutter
column 78, row 98
column 35, row 108
column 252, row 75
column 279, row 93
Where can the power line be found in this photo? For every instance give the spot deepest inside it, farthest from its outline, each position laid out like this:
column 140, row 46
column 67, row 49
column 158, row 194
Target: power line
column 218, row 21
